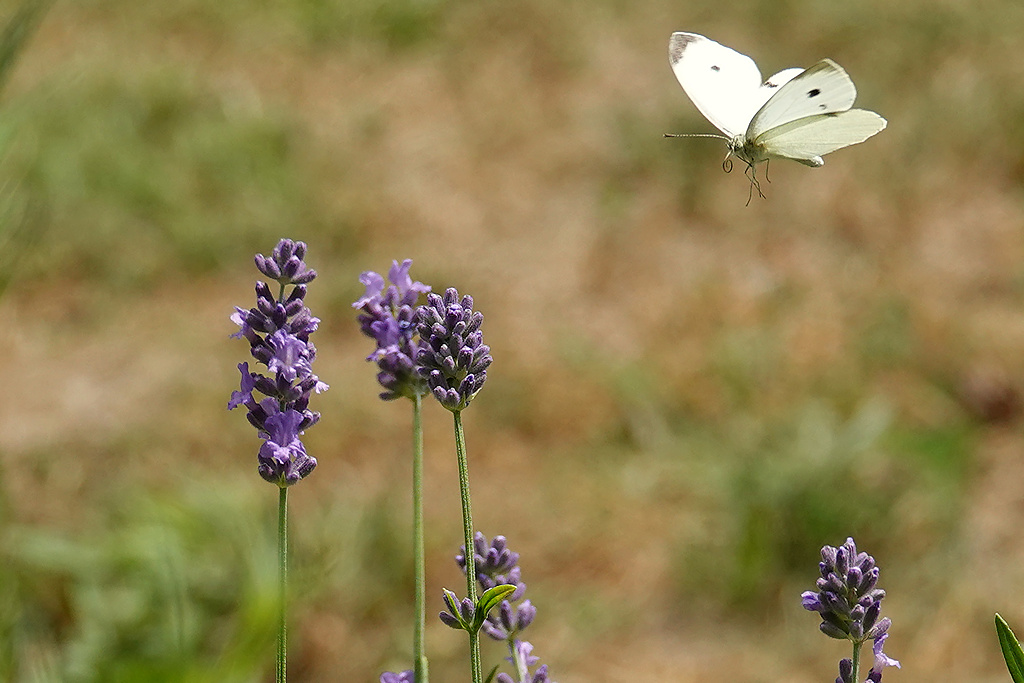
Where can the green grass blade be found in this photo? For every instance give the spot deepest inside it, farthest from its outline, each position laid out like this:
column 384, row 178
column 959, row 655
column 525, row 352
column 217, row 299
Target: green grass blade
column 1012, row 652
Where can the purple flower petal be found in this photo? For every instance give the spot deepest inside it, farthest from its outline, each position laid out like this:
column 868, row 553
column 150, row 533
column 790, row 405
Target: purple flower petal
column 374, row 283
column 244, row 395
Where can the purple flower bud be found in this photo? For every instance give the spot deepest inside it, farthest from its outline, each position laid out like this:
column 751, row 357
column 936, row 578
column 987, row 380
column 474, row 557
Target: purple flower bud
column 403, row 677
column 451, row 600
column 842, row 561
column 881, row 627
column 525, row 615
column 834, row 584
column 450, row 621
column 871, row 614
column 467, row 609
column 830, row 629
column 268, row 267
column 856, row 631
column 854, row 576
column 505, row 615
column 810, row 601
column 869, row 581
column 835, row 603
column 845, row 671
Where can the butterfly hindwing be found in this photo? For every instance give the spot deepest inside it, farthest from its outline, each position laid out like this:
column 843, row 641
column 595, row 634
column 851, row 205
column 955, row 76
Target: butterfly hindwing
column 807, row 139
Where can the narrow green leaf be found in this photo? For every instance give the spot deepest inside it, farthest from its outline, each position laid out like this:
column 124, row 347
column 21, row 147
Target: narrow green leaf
column 488, row 601
column 490, row 676
column 492, row 597
column 1012, row 652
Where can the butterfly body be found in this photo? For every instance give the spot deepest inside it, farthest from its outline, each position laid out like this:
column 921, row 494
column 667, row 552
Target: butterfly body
column 798, row 114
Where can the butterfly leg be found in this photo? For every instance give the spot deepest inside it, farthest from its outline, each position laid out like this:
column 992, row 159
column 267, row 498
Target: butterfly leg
column 751, row 174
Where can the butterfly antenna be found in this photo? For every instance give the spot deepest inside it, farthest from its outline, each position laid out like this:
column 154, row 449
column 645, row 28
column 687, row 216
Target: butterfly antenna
column 694, row 135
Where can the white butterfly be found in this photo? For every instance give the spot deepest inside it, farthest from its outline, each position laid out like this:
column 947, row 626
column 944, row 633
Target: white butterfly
column 798, row 114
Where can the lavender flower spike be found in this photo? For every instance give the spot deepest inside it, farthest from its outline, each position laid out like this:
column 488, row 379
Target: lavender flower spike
column 847, row 599
column 495, row 564
column 388, row 318
column 278, row 330
column 849, row 603
column 453, row 357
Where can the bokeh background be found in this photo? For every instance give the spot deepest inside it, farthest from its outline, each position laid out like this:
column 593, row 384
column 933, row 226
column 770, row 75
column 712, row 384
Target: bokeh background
column 689, row 396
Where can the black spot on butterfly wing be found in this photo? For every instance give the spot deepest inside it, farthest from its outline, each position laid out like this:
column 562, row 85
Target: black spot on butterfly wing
column 814, row 92
column 715, row 67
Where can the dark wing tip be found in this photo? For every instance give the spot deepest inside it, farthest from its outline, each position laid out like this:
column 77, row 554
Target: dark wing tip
column 677, row 45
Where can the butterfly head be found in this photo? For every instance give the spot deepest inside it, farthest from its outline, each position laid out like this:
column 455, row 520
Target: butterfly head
column 748, row 151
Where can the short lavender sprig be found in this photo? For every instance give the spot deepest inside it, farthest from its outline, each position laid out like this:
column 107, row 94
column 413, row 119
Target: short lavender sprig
column 495, row 564
column 849, row 604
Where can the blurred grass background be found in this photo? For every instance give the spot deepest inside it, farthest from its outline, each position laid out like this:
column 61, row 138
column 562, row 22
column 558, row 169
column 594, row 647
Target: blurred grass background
column 689, row 396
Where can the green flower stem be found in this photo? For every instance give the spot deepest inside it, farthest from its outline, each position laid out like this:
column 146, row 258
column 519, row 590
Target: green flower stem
column 467, row 529
column 282, row 571
column 855, row 676
column 418, row 641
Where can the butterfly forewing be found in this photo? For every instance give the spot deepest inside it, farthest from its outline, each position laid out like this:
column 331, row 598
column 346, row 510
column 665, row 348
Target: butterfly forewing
column 824, row 88
column 722, row 83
